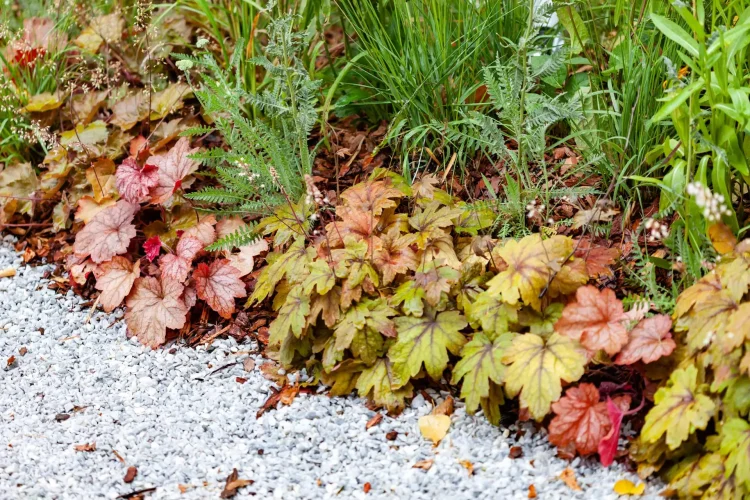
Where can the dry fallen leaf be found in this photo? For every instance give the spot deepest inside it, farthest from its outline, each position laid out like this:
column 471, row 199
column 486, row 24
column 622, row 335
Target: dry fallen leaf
column 233, row 483
column 184, row 487
column 374, row 420
column 468, row 466
column 434, row 427
column 532, row 491
column 130, row 474
column 8, row 272
column 249, row 364
column 444, row 408
column 85, row 447
column 367, row 487
column 515, row 452
column 626, row 487
column 568, row 477
column 423, row 464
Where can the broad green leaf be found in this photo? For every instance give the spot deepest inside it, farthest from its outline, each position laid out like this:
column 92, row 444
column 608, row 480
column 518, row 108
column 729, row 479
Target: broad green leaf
column 426, row 340
column 377, row 382
column 680, row 409
column 480, row 364
column 574, row 25
column 363, row 327
column 538, row 367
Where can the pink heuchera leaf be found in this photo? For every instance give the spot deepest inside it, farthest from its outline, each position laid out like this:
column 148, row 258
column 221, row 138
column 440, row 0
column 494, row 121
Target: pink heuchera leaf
column 108, row 233
column 608, row 445
column 649, row 340
column 133, row 182
column 596, row 319
column 204, row 231
column 176, row 266
column 154, row 306
column 79, row 268
column 580, row 419
column 115, row 279
column 244, row 261
column 173, row 167
column 219, row 285
column 152, row 247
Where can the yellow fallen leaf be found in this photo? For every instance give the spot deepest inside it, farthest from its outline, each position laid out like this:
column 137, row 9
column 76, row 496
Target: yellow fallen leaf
column 626, row 487
column 434, row 427
column 44, row 102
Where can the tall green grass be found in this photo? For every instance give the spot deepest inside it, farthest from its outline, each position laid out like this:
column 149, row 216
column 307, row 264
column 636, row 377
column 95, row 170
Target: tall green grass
column 422, row 65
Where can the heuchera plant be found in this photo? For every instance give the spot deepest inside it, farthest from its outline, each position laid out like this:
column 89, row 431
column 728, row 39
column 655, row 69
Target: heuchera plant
column 397, row 283
column 698, row 431
column 159, row 296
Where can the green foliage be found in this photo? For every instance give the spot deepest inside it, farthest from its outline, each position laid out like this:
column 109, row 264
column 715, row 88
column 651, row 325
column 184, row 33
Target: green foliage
column 265, row 160
column 706, row 104
column 422, row 66
column 697, row 431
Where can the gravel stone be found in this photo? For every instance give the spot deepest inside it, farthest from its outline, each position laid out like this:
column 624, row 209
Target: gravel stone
column 185, row 429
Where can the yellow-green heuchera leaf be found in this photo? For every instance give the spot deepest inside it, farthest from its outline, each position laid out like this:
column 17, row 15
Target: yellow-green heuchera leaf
column 537, row 368
column 481, row 363
column 680, row 409
column 426, row 340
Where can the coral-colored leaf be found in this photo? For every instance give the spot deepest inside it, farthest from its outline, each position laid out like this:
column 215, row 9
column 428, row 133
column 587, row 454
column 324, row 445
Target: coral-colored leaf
column 596, row 319
column 219, row 284
column 154, row 306
column 649, row 340
column 115, row 279
column 580, row 418
column 152, row 247
column 173, row 167
column 372, row 197
column 108, row 234
column 176, row 266
column 134, row 182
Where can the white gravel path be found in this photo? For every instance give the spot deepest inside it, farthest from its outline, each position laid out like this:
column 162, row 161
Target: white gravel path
column 151, row 408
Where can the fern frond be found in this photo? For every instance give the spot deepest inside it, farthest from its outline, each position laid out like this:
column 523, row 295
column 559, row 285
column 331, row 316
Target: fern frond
column 245, row 235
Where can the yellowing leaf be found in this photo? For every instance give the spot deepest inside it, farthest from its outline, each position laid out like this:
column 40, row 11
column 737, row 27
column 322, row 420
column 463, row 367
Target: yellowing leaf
column 101, row 176
column 480, row 364
column 537, row 368
column 529, row 267
column 377, row 383
column 626, row 487
column 82, row 136
column 103, row 28
column 434, row 427
column 735, row 445
column 680, row 409
column 169, row 100
column 426, row 340
column 722, row 238
column 130, row 110
column 492, row 314
column 45, row 101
